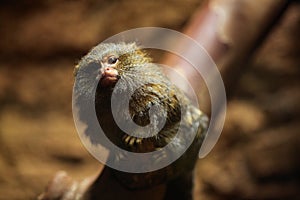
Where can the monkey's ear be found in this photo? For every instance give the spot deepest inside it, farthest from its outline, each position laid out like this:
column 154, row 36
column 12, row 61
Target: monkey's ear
column 75, row 70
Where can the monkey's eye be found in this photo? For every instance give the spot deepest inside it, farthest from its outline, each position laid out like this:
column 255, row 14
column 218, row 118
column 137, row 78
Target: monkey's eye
column 112, row 60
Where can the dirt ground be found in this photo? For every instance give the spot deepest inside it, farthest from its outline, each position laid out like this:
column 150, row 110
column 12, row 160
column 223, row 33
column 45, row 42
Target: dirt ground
column 256, row 156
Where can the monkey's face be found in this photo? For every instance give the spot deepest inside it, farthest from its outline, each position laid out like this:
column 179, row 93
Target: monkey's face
column 109, row 70
column 109, row 62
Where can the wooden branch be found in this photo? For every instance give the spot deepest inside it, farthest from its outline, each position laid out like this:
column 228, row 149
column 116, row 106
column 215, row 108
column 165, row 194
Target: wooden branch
column 230, row 31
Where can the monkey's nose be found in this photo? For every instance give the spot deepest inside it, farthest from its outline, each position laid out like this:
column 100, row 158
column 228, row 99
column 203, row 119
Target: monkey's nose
column 109, row 77
column 109, row 71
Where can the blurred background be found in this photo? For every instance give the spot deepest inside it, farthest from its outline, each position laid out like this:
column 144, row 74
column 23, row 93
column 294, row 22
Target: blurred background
column 256, row 156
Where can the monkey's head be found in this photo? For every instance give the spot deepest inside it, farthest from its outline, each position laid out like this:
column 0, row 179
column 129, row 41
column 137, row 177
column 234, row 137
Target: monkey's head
column 127, row 71
column 113, row 61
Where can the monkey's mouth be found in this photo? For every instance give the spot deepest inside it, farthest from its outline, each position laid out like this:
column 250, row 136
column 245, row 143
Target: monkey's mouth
column 109, row 77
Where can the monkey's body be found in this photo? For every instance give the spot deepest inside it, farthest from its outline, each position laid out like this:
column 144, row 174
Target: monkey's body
column 149, row 87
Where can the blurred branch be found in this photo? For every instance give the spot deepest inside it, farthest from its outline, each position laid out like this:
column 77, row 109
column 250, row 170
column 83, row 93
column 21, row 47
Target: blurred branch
column 230, row 31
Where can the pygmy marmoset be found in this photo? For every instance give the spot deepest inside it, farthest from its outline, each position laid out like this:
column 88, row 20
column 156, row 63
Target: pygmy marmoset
column 148, row 87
